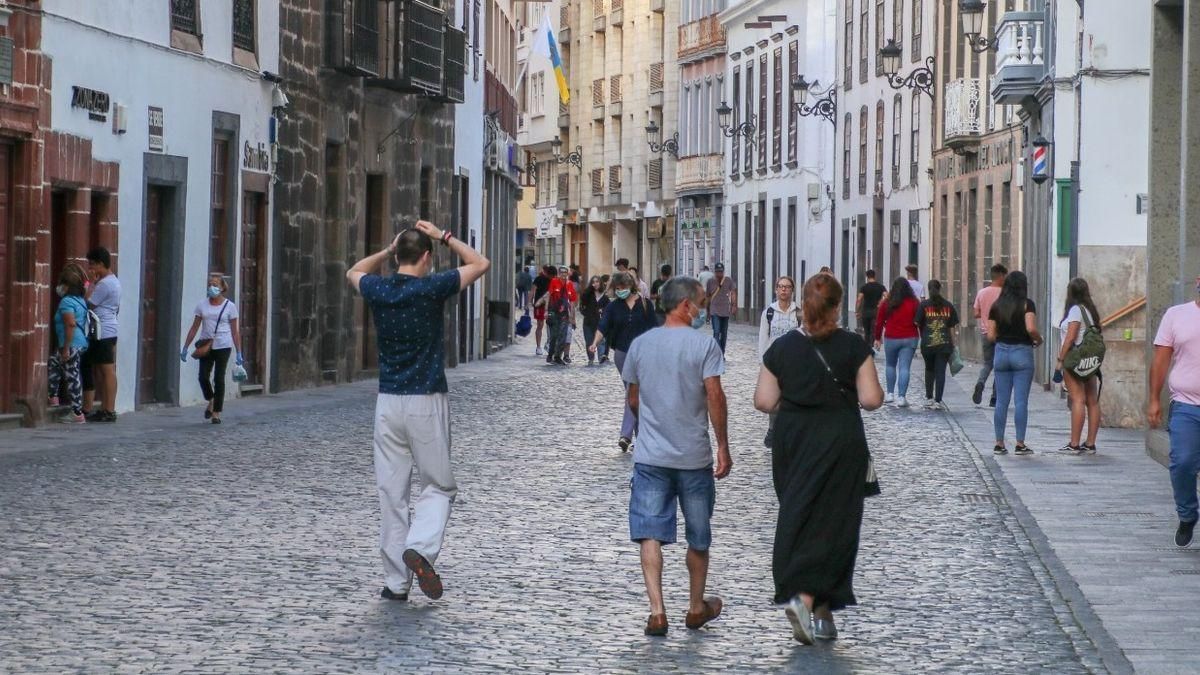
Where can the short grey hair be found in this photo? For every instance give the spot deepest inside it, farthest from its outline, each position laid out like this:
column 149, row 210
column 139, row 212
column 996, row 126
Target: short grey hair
column 622, row 279
column 675, row 291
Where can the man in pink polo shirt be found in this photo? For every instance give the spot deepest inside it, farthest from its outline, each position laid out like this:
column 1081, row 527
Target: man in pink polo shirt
column 983, row 305
column 1177, row 349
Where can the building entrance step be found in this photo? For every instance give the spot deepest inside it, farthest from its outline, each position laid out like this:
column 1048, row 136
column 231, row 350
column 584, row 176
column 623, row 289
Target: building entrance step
column 10, row 421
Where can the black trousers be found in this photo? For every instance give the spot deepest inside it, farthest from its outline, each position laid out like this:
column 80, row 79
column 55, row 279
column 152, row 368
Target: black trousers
column 936, row 361
column 214, row 388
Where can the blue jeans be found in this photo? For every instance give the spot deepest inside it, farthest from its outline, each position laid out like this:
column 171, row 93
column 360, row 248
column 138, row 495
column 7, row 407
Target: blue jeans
column 1013, row 369
column 629, row 421
column 653, row 494
column 899, row 356
column 720, row 326
column 1184, row 427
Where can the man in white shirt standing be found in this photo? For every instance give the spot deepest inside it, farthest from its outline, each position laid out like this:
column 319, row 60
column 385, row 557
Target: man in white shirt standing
column 917, row 286
column 100, row 359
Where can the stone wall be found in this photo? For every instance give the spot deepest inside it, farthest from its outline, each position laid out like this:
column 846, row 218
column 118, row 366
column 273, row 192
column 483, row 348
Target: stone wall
column 337, row 131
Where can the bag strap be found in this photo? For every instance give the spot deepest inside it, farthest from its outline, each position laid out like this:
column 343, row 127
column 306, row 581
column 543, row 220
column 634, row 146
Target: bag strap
column 217, row 325
column 770, row 316
column 846, row 392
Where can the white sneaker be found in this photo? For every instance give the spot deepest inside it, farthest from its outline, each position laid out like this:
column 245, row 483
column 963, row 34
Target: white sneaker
column 889, row 398
column 901, row 402
column 930, row 404
column 538, row 352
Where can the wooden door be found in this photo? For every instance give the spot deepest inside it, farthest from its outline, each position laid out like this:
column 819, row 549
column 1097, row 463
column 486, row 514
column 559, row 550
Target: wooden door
column 252, row 287
column 156, row 200
column 372, row 242
column 6, row 155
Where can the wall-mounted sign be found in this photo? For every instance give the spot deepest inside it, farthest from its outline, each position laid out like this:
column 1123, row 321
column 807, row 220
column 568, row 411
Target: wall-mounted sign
column 549, row 224
column 256, row 157
column 96, row 103
column 157, row 122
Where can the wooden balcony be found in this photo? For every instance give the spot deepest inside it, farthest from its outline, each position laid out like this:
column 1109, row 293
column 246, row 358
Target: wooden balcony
column 701, row 39
column 699, row 172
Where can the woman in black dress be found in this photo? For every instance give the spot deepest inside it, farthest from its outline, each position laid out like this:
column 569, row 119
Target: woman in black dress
column 816, row 379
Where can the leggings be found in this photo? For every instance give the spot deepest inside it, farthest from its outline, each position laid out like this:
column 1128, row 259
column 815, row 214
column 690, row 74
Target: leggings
column 214, row 388
column 69, row 371
column 936, row 361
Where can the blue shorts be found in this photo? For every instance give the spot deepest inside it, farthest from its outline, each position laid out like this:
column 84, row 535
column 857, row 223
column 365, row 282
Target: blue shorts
column 654, row 492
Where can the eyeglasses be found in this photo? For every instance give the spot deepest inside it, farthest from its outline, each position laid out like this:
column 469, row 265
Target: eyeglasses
column 784, row 286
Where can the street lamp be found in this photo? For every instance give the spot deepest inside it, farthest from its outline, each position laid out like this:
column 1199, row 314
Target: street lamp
column 574, row 158
column 920, row 79
column 670, row 145
column 724, row 112
column 971, row 14
column 826, row 106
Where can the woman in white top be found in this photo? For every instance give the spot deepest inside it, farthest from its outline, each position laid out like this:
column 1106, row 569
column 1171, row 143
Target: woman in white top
column 1083, row 394
column 216, row 320
column 777, row 320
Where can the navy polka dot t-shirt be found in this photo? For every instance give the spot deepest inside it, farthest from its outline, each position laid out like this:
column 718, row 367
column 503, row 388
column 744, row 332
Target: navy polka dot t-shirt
column 409, row 312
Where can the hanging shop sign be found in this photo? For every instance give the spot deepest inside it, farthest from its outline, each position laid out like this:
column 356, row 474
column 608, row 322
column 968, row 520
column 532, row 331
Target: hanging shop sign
column 96, row 103
column 256, row 157
column 549, row 224
column 156, row 124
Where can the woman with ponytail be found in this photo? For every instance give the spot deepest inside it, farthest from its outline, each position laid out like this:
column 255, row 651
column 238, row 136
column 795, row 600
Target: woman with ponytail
column 816, row 379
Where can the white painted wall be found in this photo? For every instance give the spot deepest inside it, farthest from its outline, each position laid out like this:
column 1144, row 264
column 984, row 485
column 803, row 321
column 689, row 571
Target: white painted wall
column 877, row 88
column 815, row 19
column 122, row 47
column 468, row 139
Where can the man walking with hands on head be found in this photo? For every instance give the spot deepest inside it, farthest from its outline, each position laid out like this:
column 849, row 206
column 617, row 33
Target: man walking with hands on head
column 674, row 377
column 412, row 415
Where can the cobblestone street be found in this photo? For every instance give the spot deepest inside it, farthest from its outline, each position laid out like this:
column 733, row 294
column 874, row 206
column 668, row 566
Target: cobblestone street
column 252, row 546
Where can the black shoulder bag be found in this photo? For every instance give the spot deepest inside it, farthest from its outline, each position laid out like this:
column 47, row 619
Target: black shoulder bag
column 871, row 480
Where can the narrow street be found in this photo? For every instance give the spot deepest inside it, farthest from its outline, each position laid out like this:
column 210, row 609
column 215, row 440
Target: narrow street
column 182, row 547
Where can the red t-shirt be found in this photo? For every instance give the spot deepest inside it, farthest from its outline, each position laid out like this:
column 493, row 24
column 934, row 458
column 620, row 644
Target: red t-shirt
column 899, row 324
column 556, row 289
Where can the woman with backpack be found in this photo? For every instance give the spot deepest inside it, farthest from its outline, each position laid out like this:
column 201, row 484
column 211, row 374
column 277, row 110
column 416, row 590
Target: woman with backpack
column 626, row 317
column 1012, row 325
column 936, row 318
column 896, row 330
column 782, row 317
column 217, row 322
column 1081, row 320
column 70, row 331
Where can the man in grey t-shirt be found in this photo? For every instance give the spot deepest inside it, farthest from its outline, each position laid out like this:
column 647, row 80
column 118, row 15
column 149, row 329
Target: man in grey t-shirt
column 674, row 376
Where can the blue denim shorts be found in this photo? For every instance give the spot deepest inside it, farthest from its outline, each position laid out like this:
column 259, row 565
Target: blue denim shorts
column 654, row 493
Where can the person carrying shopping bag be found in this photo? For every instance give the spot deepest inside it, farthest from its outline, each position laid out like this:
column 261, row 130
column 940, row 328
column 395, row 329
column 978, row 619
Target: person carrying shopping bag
column 217, row 322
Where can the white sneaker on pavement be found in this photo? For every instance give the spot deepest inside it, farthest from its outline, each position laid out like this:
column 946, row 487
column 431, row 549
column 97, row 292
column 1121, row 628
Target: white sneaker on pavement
column 901, row 402
column 538, row 352
column 889, row 398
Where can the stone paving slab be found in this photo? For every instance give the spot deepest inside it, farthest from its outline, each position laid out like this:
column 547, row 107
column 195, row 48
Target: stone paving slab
column 177, row 546
column 1108, row 520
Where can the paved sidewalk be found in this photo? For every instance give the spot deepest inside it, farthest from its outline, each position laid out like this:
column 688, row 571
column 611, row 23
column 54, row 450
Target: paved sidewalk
column 1106, row 520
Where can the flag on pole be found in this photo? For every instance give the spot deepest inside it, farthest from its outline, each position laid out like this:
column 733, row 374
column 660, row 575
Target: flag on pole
column 546, row 44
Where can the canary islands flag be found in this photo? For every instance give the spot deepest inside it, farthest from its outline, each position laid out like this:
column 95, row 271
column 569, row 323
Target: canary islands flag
column 546, row 43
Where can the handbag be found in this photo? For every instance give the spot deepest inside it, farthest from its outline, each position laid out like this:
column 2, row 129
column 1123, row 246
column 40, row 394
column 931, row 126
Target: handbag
column 524, row 325
column 204, row 345
column 871, row 479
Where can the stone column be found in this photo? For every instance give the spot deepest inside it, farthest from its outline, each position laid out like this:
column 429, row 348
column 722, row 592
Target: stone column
column 1166, row 176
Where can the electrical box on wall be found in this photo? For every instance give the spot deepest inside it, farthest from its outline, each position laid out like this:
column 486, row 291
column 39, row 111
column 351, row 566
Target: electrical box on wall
column 120, row 119
column 814, row 191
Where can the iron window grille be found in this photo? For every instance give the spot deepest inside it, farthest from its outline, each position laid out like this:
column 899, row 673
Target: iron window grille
column 243, row 24
column 185, row 16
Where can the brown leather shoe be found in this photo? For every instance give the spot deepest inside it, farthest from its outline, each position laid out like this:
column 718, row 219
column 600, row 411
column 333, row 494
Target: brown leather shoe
column 656, row 625
column 712, row 609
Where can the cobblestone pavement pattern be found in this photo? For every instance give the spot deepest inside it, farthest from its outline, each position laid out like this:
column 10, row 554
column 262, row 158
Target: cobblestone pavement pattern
column 252, row 547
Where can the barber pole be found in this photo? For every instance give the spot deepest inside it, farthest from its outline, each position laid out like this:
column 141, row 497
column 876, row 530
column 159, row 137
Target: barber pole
column 1041, row 162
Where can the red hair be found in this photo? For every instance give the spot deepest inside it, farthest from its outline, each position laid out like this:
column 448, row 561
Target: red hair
column 822, row 300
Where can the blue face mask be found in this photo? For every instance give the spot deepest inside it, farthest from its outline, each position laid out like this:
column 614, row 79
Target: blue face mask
column 623, row 293
column 700, row 320
column 214, row 291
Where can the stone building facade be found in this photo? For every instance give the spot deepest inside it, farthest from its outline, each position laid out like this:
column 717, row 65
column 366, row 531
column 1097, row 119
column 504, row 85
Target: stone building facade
column 366, row 147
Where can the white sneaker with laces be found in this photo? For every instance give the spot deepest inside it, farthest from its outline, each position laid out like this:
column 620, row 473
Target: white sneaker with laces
column 930, row 404
column 901, row 402
column 538, row 352
column 889, row 398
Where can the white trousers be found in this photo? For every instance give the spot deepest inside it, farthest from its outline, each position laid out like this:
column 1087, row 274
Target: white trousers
column 412, row 431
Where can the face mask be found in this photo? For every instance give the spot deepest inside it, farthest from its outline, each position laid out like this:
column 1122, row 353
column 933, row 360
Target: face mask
column 623, row 293
column 61, row 290
column 700, row 320
column 214, row 291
